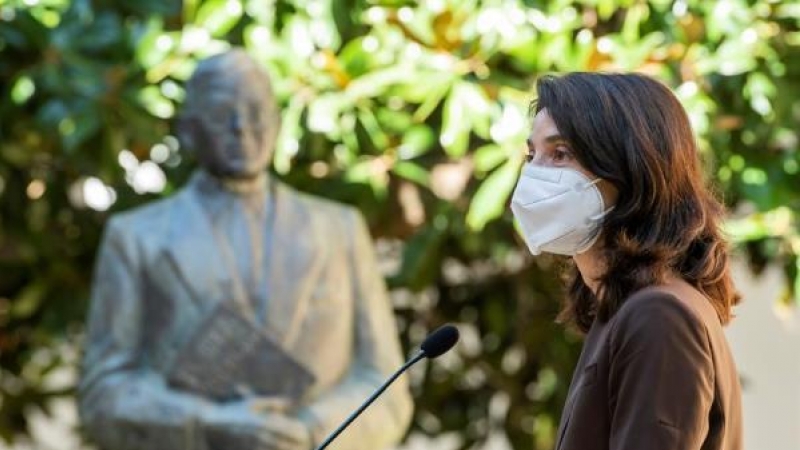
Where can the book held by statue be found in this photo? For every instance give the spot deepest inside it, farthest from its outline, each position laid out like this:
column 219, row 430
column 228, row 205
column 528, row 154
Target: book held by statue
column 230, row 355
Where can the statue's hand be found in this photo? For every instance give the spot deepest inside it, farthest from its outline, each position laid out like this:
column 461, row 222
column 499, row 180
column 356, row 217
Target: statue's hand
column 284, row 433
column 236, row 426
column 261, row 405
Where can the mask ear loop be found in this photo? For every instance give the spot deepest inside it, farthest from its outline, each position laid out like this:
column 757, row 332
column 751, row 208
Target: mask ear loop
column 598, row 217
column 592, row 183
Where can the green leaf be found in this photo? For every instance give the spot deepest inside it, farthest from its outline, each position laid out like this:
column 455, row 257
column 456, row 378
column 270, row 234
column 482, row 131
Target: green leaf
column 634, row 17
column 219, row 16
column 465, row 107
column 412, row 172
column 488, row 157
column 374, row 130
column 355, row 60
column 491, row 197
column 29, row 300
column 86, row 125
column 149, row 50
column 104, row 32
column 605, row 8
column 788, row 10
column 377, row 82
column 745, row 230
column 434, row 92
column 775, row 223
column 421, row 260
column 436, row 84
column 417, row 141
column 732, row 57
column 393, row 121
column 289, row 136
column 360, row 172
column 632, row 55
column 324, row 113
column 369, row 171
column 23, row 90
column 189, row 8
column 796, row 283
column 155, row 103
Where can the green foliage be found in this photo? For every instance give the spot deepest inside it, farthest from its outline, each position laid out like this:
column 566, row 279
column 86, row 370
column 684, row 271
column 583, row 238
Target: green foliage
column 417, row 114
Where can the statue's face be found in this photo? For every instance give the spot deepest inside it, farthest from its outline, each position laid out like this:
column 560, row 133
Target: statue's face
column 232, row 128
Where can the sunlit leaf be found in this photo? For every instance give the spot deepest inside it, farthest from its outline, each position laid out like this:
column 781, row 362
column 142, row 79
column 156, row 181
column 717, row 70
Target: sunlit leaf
column 491, row 198
column 355, row 60
column 412, row 172
column 417, row 140
column 23, row 90
column 488, row 157
column 151, row 47
column 219, row 16
column 324, row 112
column 775, row 223
column 378, row 136
column 430, row 94
column 466, row 107
column 377, row 82
column 155, row 102
column 289, row 138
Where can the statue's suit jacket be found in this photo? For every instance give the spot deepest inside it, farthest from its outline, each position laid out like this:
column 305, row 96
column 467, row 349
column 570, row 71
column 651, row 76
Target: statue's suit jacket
column 159, row 271
column 658, row 375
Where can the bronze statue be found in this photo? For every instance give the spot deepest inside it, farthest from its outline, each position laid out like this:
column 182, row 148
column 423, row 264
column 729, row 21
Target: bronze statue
column 238, row 313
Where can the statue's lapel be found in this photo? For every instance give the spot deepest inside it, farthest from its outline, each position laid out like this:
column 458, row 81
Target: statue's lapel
column 193, row 253
column 294, row 263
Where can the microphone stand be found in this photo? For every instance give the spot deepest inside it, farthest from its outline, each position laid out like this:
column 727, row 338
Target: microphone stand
column 371, row 399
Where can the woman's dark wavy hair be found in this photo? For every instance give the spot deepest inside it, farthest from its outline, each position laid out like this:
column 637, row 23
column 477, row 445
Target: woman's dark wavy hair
column 631, row 131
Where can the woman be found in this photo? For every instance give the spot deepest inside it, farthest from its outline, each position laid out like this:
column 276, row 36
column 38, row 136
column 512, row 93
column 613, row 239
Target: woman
column 613, row 179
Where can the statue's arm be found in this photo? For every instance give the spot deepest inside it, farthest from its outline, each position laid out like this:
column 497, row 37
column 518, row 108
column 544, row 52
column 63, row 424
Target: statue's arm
column 122, row 404
column 376, row 355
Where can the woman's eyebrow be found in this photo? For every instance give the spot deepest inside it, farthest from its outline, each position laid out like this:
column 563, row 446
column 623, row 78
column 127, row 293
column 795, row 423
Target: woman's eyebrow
column 552, row 139
column 555, row 138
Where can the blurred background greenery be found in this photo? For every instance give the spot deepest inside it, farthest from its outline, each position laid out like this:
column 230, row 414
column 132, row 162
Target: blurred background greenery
column 415, row 112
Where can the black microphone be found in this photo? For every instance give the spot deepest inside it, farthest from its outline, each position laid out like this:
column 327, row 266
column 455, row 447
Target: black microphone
column 435, row 345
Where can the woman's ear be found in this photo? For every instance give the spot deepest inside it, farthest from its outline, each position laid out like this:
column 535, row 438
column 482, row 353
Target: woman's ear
column 609, row 192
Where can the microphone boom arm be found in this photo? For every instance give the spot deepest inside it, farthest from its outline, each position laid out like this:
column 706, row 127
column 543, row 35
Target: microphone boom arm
column 371, row 399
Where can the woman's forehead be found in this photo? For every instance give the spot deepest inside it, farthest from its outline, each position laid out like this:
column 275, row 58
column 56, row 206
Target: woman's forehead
column 543, row 126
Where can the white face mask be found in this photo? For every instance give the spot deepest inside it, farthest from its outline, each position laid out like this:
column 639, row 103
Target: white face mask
column 558, row 209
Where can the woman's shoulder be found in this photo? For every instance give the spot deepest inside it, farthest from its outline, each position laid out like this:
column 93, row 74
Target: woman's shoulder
column 673, row 311
column 674, row 295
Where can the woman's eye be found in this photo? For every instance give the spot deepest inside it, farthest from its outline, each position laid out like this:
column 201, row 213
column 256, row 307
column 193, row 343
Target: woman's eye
column 561, row 154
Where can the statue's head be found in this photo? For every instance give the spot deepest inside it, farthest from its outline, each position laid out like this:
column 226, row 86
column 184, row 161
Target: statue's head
column 230, row 118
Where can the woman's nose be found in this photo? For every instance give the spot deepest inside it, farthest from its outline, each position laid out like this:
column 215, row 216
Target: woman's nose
column 539, row 160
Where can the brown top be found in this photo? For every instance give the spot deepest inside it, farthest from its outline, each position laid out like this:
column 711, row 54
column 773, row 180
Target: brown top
column 657, row 376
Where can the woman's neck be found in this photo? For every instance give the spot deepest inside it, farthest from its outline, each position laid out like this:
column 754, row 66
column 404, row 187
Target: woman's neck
column 591, row 266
